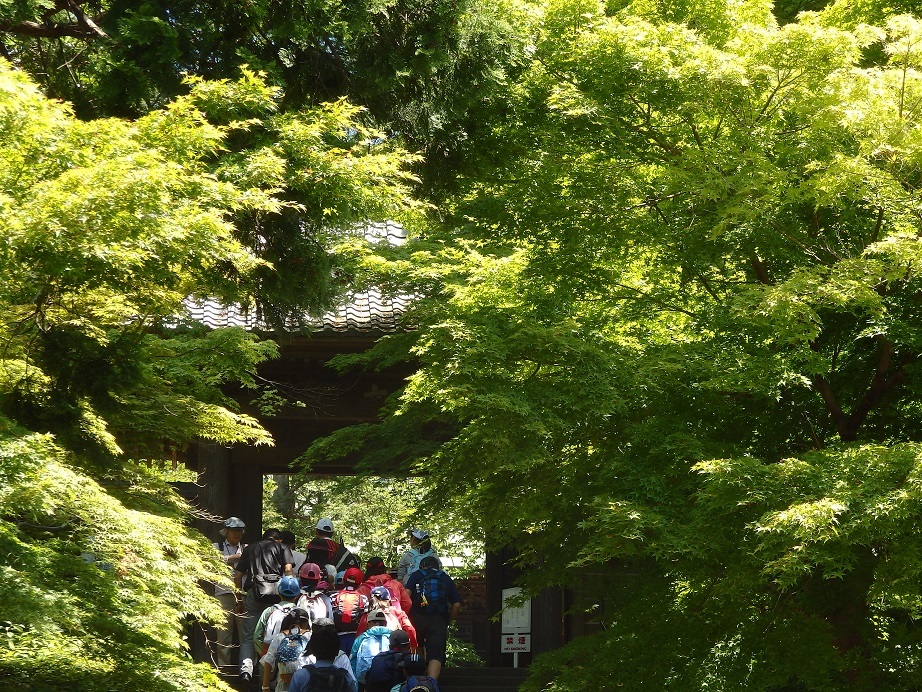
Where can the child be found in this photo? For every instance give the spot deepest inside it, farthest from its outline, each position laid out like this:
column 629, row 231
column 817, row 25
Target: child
column 413, row 668
column 286, row 649
column 325, row 654
column 396, row 619
column 369, row 644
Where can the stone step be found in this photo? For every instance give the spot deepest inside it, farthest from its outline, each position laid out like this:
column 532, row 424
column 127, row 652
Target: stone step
column 451, row 680
column 482, row 679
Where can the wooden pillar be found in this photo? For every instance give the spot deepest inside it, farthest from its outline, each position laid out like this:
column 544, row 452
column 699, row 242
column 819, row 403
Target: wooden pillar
column 213, row 466
column 246, row 497
column 500, row 574
column 229, row 489
column 547, row 621
column 214, row 474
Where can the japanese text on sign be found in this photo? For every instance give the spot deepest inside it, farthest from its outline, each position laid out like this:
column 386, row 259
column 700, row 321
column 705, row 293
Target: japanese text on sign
column 515, row 618
column 515, row 643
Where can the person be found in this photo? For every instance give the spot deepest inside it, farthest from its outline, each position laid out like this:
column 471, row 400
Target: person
column 286, row 649
column 267, row 626
column 342, row 658
column 369, row 644
column 323, row 550
column 395, row 618
column 348, row 606
column 414, row 681
column 231, row 548
column 330, row 577
column 386, row 669
column 436, row 603
column 288, row 539
column 313, row 599
column 323, row 667
column 376, row 574
column 420, row 547
column 257, row 574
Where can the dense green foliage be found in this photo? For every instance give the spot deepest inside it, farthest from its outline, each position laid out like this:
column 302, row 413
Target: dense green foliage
column 372, row 516
column 668, row 298
column 429, row 70
column 681, row 314
column 97, row 580
column 110, row 226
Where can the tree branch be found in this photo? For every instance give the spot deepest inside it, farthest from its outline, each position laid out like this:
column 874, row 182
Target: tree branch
column 84, row 20
column 882, row 383
column 761, row 272
column 880, row 222
column 84, row 27
column 707, row 285
column 817, row 441
column 839, row 419
column 654, row 300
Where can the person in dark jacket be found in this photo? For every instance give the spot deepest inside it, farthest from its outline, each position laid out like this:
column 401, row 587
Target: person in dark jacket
column 257, row 573
column 436, row 602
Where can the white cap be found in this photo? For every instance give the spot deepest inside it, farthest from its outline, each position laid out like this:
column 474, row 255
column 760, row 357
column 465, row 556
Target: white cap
column 325, row 524
column 419, row 534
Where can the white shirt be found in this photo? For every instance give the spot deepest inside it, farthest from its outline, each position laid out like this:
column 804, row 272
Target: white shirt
column 227, row 549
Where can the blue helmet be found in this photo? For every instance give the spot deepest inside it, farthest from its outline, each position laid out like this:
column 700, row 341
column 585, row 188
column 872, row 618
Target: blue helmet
column 289, row 587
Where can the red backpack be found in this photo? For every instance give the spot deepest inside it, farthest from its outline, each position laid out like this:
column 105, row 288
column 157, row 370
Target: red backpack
column 348, row 607
column 321, row 551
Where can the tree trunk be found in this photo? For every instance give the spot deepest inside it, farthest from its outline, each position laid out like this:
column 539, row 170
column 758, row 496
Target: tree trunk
column 843, row 603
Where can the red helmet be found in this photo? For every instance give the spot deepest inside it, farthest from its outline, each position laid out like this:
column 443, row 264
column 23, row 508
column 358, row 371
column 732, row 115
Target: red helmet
column 353, row 577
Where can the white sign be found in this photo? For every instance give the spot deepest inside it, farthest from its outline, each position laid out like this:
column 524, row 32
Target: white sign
column 515, row 643
column 516, row 618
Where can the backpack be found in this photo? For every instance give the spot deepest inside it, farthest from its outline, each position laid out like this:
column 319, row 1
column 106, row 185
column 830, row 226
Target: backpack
column 347, row 609
column 417, row 558
column 384, row 671
column 430, row 596
column 371, row 646
column 315, row 605
column 327, row 679
column 420, row 683
column 290, row 648
column 321, row 551
column 274, row 621
column 344, row 559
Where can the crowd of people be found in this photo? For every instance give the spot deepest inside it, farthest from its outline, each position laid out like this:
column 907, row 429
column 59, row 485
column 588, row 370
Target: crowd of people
column 318, row 619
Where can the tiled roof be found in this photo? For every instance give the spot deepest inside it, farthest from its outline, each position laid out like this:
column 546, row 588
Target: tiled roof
column 364, row 311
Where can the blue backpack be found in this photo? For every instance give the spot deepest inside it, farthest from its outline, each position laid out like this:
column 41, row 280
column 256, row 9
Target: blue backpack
column 430, row 594
column 384, row 671
column 418, row 557
column 420, row 683
column 291, row 647
column 370, row 647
